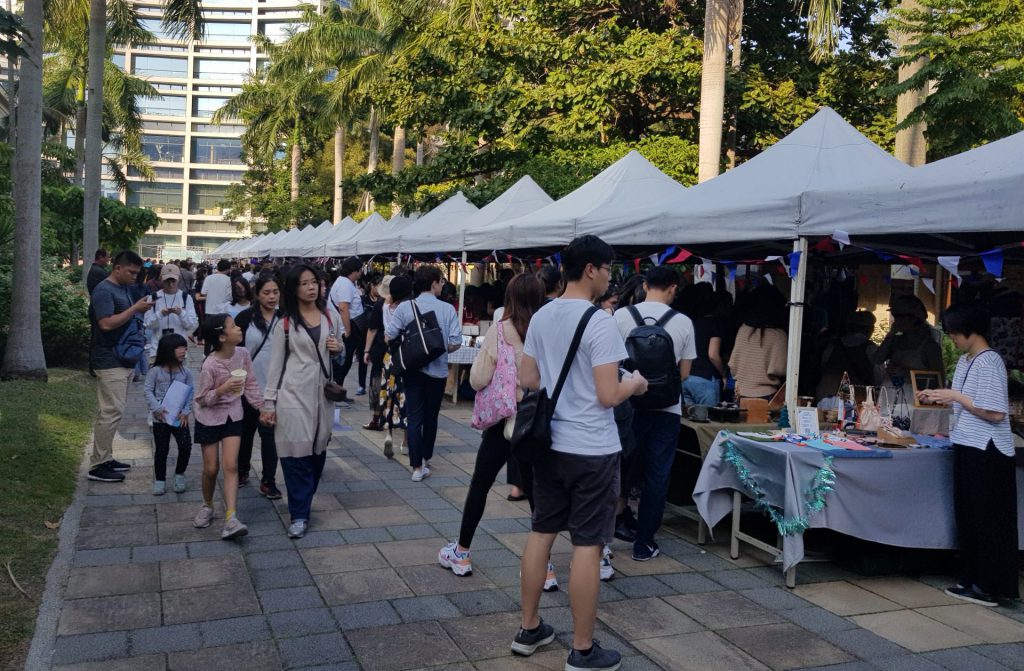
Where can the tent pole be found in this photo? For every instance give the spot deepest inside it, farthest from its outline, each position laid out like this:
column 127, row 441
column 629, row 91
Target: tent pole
column 462, row 288
column 796, row 326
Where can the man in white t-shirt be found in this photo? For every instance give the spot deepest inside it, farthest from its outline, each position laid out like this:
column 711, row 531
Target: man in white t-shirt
column 217, row 289
column 576, row 483
column 346, row 300
column 656, row 430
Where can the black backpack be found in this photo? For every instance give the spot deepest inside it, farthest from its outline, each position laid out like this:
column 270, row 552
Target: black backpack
column 651, row 352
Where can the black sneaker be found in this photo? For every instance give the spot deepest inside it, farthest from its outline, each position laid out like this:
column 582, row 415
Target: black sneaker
column 645, row 552
column 526, row 642
column 270, row 490
column 622, row 530
column 116, row 465
column 104, row 474
column 599, row 659
column 972, row 594
column 243, row 480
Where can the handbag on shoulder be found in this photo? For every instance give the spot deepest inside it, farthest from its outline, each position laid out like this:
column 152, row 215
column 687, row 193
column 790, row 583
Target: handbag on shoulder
column 497, row 401
column 531, row 437
column 422, row 342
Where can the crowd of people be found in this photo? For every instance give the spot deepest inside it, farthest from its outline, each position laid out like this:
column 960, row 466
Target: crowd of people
column 620, row 363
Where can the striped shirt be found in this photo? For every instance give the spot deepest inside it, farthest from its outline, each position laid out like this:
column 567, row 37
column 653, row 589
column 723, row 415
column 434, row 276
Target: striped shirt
column 984, row 381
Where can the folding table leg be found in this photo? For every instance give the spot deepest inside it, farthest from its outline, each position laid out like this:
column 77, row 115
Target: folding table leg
column 734, row 540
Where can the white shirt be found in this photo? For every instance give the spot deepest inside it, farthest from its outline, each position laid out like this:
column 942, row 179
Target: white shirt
column 984, row 381
column 260, row 355
column 679, row 328
column 581, row 425
column 217, row 289
column 155, row 322
column 248, row 276
column 345, row 291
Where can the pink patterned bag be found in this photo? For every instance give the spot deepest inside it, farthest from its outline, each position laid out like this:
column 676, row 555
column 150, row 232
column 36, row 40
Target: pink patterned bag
column 497, row 401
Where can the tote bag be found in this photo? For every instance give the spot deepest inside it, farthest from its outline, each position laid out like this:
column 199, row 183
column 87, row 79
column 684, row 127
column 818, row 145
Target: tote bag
column 422, row 342
column 497, row 401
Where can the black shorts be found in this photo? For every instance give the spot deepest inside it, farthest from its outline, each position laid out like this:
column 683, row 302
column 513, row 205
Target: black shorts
column 208, row 435
column 576, row 493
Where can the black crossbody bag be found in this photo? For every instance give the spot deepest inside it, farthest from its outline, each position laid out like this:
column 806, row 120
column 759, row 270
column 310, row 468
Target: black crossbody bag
column 531, row 437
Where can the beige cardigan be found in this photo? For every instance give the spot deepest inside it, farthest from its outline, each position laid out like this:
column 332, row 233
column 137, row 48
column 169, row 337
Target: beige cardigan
column 759, row 366
column 487, row 359
column 304, row 415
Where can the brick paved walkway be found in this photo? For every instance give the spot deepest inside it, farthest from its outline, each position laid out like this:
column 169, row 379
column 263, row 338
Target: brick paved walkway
column 143, row 590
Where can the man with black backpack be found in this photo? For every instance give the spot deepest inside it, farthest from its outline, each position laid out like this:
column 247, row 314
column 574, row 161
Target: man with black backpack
column 118, row 343
column 659, row 345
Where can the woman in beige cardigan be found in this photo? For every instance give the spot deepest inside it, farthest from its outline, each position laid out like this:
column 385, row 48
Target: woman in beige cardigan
column 294, row 403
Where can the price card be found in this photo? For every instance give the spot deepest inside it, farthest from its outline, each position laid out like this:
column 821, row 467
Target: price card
column 807, row 422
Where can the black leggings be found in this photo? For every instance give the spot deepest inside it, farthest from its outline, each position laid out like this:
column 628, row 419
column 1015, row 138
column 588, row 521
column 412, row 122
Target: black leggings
column 494, row 452
column 162, row 433
column 268, row 448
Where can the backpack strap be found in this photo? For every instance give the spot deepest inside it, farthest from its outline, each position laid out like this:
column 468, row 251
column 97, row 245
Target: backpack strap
column 635, row 314
column 666, row 318
column 287, row 349
column 571, row 354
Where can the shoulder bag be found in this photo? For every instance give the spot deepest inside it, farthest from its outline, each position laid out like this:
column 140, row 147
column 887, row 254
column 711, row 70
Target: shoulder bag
column 333, row 391
column 531, row 437
column 497, row 401
column 422, row 342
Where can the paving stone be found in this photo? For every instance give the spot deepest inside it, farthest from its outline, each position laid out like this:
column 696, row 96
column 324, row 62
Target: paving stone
column 865, row 644
column 154, row 553
column 90, row 647
column 371, row 535
column 166, row 639
column 959, row 659
column 774, row 598
column 493, row 558
column 848, row 666
column 275, row 578
column 708, row 562
column 127, row 535
column 102, row 557
column 366, row 499
column 484, row 636
column 689, row 583
column 1007, row 654
column 817, row 619
column 906, row 663
column 253, row 656
column 235, row 630
column 209, row 603
column 433, row 579
column 917, row 632
column 982, row 623
column 274, row 559
column 501, row 576
column 441, row 516
column 290, row 598
column 420, row 608
column 367, row 614
column 843, row 598
column 785, row 646
column 405, row 646
column 116, row 516
column 259, row 544
column 645, row 618
column 140, row 663
column 320, row 539
column 482, row 602
column 411, row 553
column 737, row 579
column 447, row 529
column 315, row 649
column 341, row 559
column 93, row 581
column 722, row 610
column 215, row 548
column 642, row 586
column 385, row 516
column 109, row 613
column 184, row 532
column 302, row 622
column 202, row 572
column 356, row 586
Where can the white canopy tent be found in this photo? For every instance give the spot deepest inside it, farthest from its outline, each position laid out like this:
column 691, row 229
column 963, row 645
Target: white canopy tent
column 346, row 242
column 981, row 190
column 313, row 246
column 606, row 202
column 223, row 248
column 246, row 247
column 440, row 229
column 304, row 236
column 763, row 198
column 267, row 245
column 522, row 198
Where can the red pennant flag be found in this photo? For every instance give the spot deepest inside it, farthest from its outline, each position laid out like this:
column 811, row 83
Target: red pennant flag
column 636, row 265
column 680, row 257
column 825, row 245
column 540, row 262
column 509, row 257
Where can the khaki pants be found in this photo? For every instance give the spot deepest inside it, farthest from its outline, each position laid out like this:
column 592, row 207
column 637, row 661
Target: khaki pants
column 111, row 394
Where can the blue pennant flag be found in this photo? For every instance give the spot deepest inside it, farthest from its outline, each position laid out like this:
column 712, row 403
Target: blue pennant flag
column 993, row 261
column 794, row 263
column 665, row 254
column 731, row 265
column 558, row 258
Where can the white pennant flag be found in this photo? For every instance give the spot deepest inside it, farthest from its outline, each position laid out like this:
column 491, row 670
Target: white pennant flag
column 842, row 237
column 708, row 268
column 769, row 259
column 654, row 259
column 952, row 264
column 768, row 276
column 929, row 283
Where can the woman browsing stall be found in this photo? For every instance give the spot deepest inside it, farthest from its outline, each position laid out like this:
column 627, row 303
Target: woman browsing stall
column 984, row 469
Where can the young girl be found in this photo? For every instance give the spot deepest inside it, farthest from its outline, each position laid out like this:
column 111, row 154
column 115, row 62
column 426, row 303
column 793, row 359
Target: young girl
column 218, row 409
column 169, row 368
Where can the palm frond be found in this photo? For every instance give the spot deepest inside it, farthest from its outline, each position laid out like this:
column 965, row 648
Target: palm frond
column 184, row 19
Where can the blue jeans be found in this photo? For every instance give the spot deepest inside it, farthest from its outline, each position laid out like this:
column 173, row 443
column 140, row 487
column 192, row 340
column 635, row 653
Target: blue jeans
column 657, row 434
column 701, row 391
column 423, row 396
column 301, row 478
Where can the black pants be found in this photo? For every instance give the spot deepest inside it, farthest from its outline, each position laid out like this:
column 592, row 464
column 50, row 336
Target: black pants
column 985, row 500
column 494, row 453
column 423, row 396
column 353, row 347
column 162, row 440
column 268, row 448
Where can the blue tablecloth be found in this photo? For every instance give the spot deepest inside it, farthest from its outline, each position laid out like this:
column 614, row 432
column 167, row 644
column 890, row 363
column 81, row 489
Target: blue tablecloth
column 906, row 501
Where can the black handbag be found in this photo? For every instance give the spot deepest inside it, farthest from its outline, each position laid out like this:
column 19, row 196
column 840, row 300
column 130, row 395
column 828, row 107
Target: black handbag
column 422, row 342
column 531, row 437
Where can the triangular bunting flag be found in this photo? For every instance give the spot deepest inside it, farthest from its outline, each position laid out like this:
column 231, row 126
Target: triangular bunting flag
column 993, row 261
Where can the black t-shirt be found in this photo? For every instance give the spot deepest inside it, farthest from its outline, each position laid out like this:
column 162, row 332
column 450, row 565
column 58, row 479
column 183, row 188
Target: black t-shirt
column 378, row 347
column 108, row 299
column 97, row 274
column 704, row 329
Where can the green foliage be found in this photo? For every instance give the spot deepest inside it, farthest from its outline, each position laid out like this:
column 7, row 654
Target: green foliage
column 63, row 315
column 121, row 226
column 975, row 68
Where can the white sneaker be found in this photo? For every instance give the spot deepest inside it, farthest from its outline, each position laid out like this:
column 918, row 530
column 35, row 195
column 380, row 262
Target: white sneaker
column 450, row 557
column 404, row 449
column 298, row 529
column 203, row 518
column 607, row 570
column 417, row 475
column 551, row 582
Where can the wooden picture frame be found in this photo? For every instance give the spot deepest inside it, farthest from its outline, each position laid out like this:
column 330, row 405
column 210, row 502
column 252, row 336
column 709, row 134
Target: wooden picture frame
column 921, row 380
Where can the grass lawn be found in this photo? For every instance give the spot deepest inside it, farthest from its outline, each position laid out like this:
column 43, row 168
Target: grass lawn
column 43, row 428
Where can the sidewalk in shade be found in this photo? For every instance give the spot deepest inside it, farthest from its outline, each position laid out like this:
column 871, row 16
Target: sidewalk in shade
column 136, row 588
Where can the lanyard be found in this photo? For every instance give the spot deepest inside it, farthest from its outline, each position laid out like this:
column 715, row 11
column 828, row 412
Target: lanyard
column 169, row 306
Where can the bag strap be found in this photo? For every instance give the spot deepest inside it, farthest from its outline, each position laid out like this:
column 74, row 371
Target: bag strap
column 635, row 314
column 287, row 349
column 571, row 355
column 329, row 372
column 419, row 325
column 270, row 327
column 666, row 318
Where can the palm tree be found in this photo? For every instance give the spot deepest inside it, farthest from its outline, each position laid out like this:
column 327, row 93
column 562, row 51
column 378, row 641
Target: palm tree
column 182, row 18
column 911, row 146
column 23, row 357
column 719, row 18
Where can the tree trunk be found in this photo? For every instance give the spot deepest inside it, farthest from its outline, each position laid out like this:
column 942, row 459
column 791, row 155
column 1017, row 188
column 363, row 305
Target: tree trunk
column 296, row 163
column 367, row 203
column 398, row 151
column 911, row 146
column 736, row 38
column 12, row 115
column 339, row 172
column 419, row 152
column 712, row 88
column 79, row 137
column 94, row 131
column 24, row 358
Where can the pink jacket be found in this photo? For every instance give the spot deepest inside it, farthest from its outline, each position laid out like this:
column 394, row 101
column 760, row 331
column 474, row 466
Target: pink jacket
column 213, row 409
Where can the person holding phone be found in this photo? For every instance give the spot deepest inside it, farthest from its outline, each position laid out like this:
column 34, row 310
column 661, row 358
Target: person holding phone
column 171, row 310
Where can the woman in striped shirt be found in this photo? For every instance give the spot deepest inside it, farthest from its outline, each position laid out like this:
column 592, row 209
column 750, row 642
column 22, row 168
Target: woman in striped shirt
column 984, row 470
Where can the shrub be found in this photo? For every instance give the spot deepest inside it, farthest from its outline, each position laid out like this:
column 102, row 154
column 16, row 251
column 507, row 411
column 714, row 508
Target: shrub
column 64, row 317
